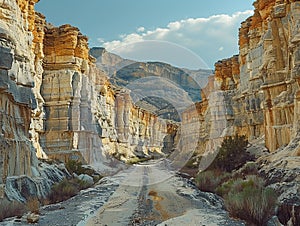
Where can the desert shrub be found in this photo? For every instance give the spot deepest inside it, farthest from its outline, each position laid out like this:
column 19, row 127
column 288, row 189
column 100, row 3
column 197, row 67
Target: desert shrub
column 232, row 154
column 33, row 205
column 74, row 166
column 78, row 168
column 63, row 190
column 81, row 184
column 209, row 180
column 66, row 189
column 11, row 209
column 249, row 200
column 225, row 187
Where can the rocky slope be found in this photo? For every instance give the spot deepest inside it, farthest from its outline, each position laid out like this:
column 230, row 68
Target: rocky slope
column 256, row 94
column 108, row 62
column 126, row 73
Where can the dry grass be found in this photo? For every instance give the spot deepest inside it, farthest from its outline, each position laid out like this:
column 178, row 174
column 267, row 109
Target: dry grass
column 66, row 189
column 33, row 205
column 17, row 209
column 11, row 209
column 63, row 191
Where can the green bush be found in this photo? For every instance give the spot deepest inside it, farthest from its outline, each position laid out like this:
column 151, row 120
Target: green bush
column 249, row 200
column 74, row 166
column 232, row 154
column 77, row 167
column 210, row 180
column 225, row 187
column 66, row 189
column 63, row 190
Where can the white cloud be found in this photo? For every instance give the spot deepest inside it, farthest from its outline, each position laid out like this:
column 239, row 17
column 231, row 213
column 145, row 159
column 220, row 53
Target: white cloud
column 141, row 29
column 211, row 38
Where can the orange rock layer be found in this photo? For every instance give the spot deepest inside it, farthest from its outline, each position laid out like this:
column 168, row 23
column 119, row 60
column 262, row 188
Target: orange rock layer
column 258, row 89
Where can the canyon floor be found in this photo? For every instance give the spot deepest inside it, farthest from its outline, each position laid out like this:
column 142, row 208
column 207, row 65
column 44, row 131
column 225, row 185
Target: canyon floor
column 147, row 194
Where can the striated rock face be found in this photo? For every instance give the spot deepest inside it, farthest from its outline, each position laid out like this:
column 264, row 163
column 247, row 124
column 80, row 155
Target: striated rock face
column 21, row 32
column 66, row 60
column 256, row 92
column 38, row 113
column 269, row 63
column 85, row 117
column 16, row 83
column 55, row 103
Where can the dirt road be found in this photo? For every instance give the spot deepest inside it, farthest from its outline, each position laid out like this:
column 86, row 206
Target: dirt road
column 142, row 195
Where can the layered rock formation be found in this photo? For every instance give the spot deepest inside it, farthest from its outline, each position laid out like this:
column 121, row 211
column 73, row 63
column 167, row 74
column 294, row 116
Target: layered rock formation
column 17, row 98
column 55, row 103
column 257, row 94
column 258, row 89
column 85, row 117
column 270, row 62
column 19, row 68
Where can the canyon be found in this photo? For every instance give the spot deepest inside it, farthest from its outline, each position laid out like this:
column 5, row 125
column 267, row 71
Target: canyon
column 61, row 101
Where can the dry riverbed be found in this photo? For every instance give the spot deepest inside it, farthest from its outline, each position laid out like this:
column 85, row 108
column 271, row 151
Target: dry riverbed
column 141, row 195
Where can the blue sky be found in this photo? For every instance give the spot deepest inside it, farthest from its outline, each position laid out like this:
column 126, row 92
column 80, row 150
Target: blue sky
column 203, row 29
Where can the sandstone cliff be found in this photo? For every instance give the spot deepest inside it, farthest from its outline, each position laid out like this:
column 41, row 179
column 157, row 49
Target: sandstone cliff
column 20, row 66
column 258, row 89
column 256, row 94
column 56, row 104
column 85, row 116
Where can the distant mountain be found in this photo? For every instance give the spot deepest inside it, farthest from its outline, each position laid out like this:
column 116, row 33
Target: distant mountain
column 109, row 62
column 163, row 89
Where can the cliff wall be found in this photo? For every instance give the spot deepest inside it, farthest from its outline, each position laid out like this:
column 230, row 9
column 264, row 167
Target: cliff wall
column 20, row 66
column 17, row 98
column 55, row 103
column 85, row 116
column 256, row 92
column 269, row 57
